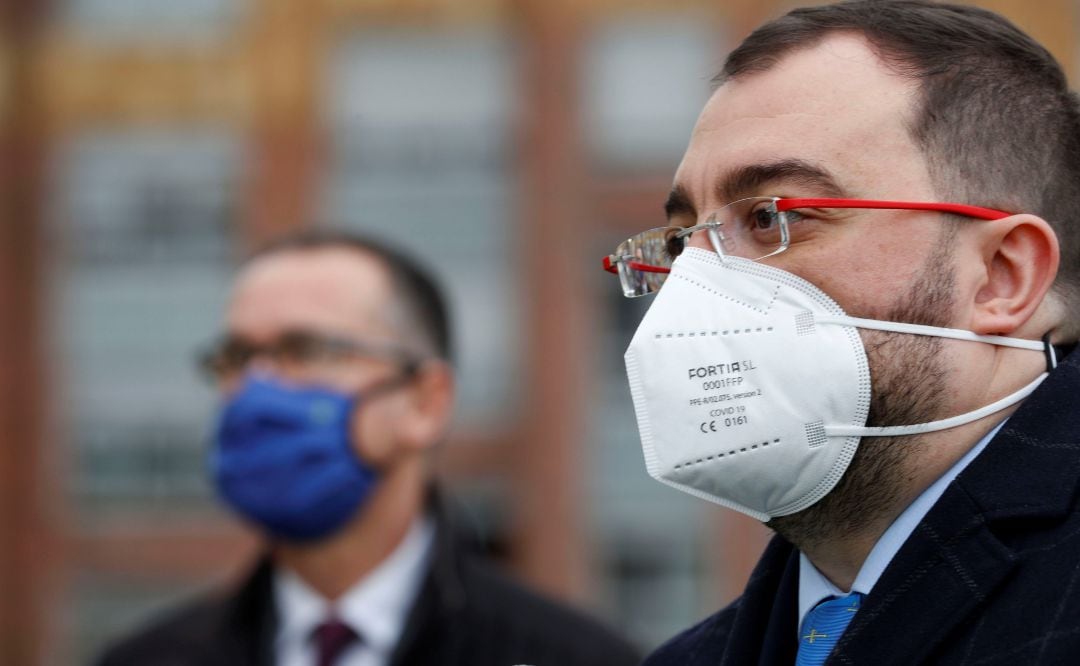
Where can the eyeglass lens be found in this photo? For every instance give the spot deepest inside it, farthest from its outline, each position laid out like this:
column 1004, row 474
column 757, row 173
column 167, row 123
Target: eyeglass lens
column 749, row 228
column 232, row 355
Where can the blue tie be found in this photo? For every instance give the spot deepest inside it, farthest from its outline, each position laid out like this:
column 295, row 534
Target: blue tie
column 823, row 627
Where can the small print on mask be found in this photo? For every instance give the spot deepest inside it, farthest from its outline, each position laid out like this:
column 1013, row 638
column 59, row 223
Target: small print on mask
column 718, row 383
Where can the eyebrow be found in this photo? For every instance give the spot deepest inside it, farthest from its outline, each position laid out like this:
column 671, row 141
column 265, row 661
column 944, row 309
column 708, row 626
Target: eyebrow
column 678, row 203
column 749, row 180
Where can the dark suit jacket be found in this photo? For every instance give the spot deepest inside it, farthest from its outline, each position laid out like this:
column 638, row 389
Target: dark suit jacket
column 466, row 615
column 990, row 576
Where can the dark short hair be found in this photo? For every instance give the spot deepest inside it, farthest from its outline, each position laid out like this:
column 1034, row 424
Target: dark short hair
column 419, row 295
column 996, row 121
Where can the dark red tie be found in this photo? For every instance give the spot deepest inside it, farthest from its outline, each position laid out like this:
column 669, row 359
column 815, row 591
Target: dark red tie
column 331, row 639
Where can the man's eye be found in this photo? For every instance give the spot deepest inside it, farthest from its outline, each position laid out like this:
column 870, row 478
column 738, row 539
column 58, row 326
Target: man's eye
column 310, row 352
column 675, row 245
column 237, row 354
column 762, row 219
column 299, row 348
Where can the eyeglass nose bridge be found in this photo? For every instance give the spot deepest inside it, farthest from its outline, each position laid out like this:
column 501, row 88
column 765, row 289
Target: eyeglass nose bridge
column 264, row 362
column 722, row 243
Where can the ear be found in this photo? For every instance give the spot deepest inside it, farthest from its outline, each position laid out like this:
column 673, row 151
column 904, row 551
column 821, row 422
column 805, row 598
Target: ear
column 1020, row 260
column 428, row 406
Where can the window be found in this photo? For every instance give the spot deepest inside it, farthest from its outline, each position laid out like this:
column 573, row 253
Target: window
column 422, row 140
column 645, row 81
column 143, row 221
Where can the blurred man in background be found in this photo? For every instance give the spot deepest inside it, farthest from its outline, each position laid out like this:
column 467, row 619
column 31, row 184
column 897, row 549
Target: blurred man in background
column 855, row 339
column 335, row 372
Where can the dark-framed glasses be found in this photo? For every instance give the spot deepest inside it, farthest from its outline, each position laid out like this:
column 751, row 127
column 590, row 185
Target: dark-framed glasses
column 230, row 356
column 753, row 228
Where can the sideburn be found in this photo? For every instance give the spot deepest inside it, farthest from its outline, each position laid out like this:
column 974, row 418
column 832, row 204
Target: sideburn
column 908, row 383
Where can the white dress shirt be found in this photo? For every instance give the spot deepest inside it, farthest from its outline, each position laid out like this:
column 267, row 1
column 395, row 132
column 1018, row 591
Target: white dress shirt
column 814, row 587
column 375, row 607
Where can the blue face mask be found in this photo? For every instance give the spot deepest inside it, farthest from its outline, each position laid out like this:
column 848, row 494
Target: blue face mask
column 283, row 459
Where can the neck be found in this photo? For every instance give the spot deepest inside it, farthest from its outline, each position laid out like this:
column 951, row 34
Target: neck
column 334, row 565
column 841, row 557
column 889, row 473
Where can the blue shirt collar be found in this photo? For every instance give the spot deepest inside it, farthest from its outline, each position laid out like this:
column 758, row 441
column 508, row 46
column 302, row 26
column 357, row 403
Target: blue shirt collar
column 815, row 587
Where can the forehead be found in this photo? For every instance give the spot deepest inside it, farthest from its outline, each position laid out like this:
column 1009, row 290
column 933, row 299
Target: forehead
column 834, row 106
column 324, row 290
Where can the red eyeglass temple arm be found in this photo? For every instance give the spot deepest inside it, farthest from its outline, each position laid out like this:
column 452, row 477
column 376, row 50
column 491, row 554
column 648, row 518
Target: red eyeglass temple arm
column 977, row 212
column 610, row 267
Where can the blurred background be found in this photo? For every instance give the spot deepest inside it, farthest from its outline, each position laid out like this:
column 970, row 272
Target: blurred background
column 146, row 144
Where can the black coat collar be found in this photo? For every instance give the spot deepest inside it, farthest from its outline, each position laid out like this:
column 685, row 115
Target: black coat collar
column 250, row 619
column 957, row 555
column 961, row 549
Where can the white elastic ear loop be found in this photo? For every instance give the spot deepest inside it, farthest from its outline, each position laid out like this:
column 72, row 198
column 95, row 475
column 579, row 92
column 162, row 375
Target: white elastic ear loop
column 940, row 332
column 943, row 424
column 935, row 331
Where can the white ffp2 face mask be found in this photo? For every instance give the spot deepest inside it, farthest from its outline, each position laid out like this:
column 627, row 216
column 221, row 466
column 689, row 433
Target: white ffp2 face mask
column 751, row 385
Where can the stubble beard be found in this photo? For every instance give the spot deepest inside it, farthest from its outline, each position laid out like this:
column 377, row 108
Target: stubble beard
column 908, row 383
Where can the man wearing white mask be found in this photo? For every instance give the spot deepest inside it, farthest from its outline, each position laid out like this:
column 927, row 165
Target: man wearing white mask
column 873, row 249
